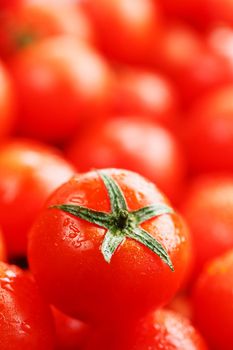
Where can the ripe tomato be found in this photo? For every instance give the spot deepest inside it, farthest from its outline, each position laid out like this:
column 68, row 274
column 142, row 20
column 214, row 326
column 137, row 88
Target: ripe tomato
column 71, row 334
column 208, row 209
column 25, row 321
column 60, row 82
column 213, row 302
column 162, row 329
column 31, row 21
column 209, row 132
column 7, row 102
column 133, row 144
column 119, row 272
column 147, row 93
column 29, row 172
column 125, row 29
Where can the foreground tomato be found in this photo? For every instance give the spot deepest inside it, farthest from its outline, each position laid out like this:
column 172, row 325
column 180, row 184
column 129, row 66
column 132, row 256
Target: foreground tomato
column 213, row 302
column 7, row 102
column 29, row 172
column 208, row 209
column 133, row 144
column 125, row 29
column 60, row 82
column 26, row 321
column 112, row 268
column 162, row 329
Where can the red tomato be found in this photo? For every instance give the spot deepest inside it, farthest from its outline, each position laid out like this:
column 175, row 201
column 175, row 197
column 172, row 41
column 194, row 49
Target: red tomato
column 29, row 172
column 31, row 21
column 213, row 302
column 147, row 93
column 162, row 329
column 105, row 277
column 60, row 82
column 25, row 320
column 71, row 334
column 7, row 102
column 208, row 209
column 209, row 132
column 125, row 29
column 137, row 145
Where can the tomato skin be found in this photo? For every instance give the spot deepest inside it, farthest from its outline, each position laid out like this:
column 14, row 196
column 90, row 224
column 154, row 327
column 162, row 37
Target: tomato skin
column 208, row 209
column 125, row 29
column 71, row 334
column 209, row 132
column 55, row 93
column 213, row 302
column 102, row 292
column 26, row 320
column 145, row 92
column 29, row 172
column 2, row 248
column 7, row 102
column 133, row 144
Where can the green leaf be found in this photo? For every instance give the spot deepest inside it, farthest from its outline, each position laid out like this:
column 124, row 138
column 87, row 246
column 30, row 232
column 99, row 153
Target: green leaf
column 150, row 212
column 116, row 196
column 96, row 217
column 110, row 243
column 140, row 235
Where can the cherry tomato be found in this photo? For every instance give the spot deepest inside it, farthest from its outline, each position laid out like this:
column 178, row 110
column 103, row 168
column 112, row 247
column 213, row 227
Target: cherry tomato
column 60, row 82
column 209, row 132
column 30, row 21
column 7, row 102
column 29, row 172
column 133, row 144
column 213, row 302
column 147, row 93
column 71, row 334
column 25, row 321
column 208, row 209
column 125, row 29
column 110, row 270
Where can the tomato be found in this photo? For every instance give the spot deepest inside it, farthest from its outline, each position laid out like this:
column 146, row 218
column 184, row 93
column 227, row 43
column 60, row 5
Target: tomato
column 213, row 302
column 147, row 93
column 133, row 144
column 60, row 83
column 208, row 209
column 162, row 329
column 71, row 334
column 29, row 172
column 2, row 248
column 209, row 132
column 104, row 277
column 125, row 30
column 30, row 21
column 25, row 320
column 7, row 102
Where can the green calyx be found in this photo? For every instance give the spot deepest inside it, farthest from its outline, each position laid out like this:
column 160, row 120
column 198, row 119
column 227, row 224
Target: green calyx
column 121, row 223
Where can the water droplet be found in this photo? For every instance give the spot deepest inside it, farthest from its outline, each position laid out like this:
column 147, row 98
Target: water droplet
column 5, row 283
column 73, row 235
column 66, row 222
column 25, row 327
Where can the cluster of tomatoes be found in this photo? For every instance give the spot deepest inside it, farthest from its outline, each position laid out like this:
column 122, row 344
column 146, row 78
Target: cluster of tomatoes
column 103, row 105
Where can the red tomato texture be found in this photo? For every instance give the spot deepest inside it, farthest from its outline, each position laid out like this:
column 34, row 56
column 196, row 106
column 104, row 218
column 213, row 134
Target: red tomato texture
column 133, row 144
column 213, row 302
column 208, row 209
column 60, row 82
column 26, row 321
column 81, row 283
column 29, row 172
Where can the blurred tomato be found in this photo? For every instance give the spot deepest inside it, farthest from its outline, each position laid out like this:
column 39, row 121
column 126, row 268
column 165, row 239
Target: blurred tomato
column 208, row 132
column 133, row 144
column 208, row 209
column 147, row 93
column 31, row 21
column 7, row 102
column 60, row 83
column 29, row 172
column 125, row 29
